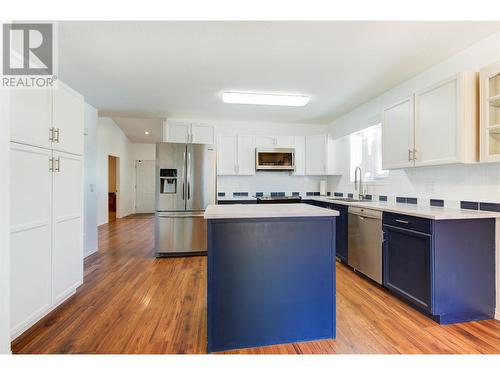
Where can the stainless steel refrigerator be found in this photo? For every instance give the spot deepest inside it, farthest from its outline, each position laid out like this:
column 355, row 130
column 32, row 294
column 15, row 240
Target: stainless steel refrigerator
column 185, row 186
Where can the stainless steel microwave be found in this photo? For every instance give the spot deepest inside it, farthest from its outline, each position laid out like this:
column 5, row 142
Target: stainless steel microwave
column 274, row 159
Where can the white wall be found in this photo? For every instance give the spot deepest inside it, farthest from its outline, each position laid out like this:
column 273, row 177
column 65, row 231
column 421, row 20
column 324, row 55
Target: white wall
column 90, row 182
column 112, row 141
column 4, row 223
column 477, row 182
column 144, row 151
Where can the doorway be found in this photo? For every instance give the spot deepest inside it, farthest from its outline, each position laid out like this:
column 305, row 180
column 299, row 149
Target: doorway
column 145, row 186
column 113, row 163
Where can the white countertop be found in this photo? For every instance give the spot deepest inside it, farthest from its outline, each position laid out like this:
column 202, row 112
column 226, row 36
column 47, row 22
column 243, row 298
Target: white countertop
column 428, row 212
column 238, row 198
column 243, row 211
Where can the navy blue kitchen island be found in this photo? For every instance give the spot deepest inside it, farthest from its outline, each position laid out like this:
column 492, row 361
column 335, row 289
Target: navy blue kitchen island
column 271, row 275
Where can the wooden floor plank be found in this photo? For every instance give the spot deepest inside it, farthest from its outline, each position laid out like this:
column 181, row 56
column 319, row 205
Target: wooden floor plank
column 131, row 302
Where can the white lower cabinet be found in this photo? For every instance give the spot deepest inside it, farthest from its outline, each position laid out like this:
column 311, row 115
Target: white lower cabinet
column 30, row 200
column 67, row 219
column 46, row 231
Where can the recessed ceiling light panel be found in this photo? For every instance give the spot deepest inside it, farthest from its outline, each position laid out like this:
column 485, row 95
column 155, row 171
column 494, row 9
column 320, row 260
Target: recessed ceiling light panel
column 265, row 99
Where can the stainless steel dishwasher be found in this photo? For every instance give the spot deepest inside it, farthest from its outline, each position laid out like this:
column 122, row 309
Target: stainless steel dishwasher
column 365, row 242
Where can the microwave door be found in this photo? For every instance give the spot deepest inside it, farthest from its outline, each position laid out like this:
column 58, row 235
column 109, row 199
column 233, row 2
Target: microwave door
column 171, row 177
column 201, row 176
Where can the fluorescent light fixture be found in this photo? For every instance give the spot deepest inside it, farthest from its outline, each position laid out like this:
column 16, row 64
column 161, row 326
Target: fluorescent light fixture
column 265, row 99
column 146, row 132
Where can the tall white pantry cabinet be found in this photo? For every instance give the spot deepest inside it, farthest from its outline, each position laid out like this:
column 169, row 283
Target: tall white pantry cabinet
column 46, row 201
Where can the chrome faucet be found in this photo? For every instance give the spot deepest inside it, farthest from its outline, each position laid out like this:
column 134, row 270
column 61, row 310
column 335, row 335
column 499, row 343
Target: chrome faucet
column 360, row 188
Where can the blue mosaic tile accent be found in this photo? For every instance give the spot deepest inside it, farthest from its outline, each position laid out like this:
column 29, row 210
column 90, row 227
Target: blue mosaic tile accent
column 240, row 194
column 467, row 205
column 221, row 194
column 328, row 193
column 368, row 196
column 295, row 193
column 437, row 202
column 316, row 193
column 277, row 193
column 411, row 200
column 400, row 199
column 350, row 195
column 259, row 194
column 382, row 198
column 309, row 193
column 338, row 194
column 486, row 206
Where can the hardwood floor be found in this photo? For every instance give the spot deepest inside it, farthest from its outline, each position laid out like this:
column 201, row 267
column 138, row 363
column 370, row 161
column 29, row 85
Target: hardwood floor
column 131, row 302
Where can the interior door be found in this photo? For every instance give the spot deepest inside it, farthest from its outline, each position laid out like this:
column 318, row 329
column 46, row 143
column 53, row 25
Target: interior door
column 437, row 135
column 171, row 177
column 67, row 113
column 30, row 212
column 67, row 250
column 145, row 186
column 200, row 177
column 31, row 126
column 398, row 135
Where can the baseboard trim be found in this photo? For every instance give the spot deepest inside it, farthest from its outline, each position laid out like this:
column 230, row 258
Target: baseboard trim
column 91, row 252
column 497, row 315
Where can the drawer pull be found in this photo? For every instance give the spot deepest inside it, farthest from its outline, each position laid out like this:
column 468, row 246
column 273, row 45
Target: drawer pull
column 402, row 221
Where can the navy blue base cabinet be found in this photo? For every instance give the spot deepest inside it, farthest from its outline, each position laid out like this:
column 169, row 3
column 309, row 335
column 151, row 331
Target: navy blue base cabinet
column 444, row 268
column 341, row 226
column 270, row 281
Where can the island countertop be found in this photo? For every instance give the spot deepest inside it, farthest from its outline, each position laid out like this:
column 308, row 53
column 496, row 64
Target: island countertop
column 243, row 211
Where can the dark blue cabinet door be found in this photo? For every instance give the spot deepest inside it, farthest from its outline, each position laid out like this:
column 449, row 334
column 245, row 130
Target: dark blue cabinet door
column 341, row 228
column 407, row 265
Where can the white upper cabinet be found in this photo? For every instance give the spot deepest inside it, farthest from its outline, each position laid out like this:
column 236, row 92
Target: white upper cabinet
column 67, row 120
column 30, row 117
column 300, row 155
column 246, row 155
column 67, row 253
column 186, row 132
column 398, row 135
column 177, row 132
column 285, row 141
column 316, row 154
column 265, row 141
column 437, row 125
column 272, row 141
column 445, row 122
column 490, row 113
column 203, row 134
column 227, row 156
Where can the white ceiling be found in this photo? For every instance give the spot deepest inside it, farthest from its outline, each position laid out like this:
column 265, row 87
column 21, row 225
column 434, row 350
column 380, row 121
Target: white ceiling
column 180, row 69
column 135, row 129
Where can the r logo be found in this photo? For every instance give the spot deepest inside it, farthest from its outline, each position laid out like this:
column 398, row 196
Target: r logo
column 28, row 49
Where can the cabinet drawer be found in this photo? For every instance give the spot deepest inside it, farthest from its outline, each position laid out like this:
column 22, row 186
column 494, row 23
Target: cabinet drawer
column 417, row 224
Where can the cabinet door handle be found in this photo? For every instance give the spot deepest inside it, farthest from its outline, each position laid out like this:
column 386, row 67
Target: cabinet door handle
column 56, row 132
column 57, row 164
column 51, row 134
column 414, row 154
column 402, row 221
column 410, row 152
column 51, row 164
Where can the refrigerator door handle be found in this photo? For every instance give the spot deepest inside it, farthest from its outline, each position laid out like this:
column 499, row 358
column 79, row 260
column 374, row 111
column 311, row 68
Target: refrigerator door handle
column 183, row 169
column 189, row 176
